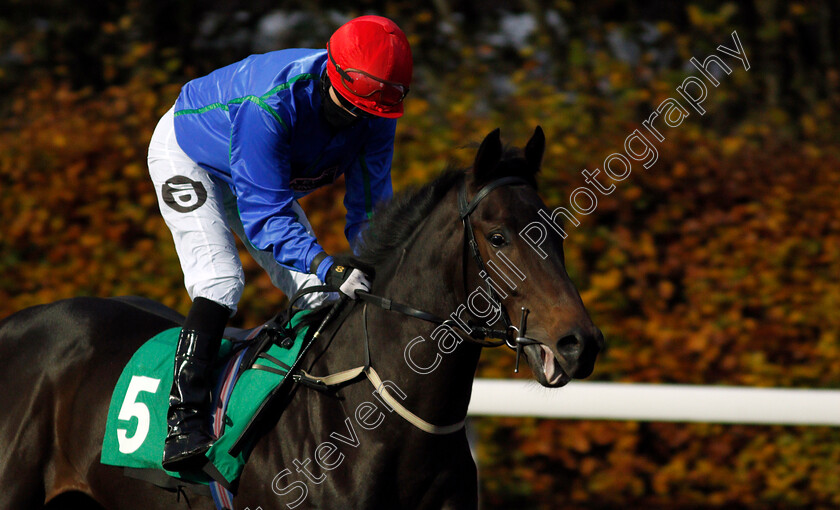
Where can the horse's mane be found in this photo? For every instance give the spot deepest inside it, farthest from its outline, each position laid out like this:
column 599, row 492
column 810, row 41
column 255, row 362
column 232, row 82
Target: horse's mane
column 396, row 221
column 393, row 223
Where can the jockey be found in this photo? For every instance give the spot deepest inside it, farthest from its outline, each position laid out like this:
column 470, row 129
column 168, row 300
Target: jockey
column 235, row 152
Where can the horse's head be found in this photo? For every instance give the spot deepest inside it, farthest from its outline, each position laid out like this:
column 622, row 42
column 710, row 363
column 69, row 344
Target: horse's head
column 567, row 342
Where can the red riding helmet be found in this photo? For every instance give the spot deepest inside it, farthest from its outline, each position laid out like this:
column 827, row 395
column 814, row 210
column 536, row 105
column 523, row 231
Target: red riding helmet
column 370, row 65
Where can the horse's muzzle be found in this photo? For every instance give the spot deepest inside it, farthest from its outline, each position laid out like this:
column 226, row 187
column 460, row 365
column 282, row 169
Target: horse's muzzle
column 578, row 350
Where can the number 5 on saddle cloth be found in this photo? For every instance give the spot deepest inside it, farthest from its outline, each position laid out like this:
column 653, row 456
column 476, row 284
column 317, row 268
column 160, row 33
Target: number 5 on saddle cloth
column 248, row 371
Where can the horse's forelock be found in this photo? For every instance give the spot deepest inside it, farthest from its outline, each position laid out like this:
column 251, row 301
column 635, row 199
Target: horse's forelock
column 512, row 164
column 494, row 161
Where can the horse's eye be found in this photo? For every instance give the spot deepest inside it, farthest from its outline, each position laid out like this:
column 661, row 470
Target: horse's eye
column 497, row 239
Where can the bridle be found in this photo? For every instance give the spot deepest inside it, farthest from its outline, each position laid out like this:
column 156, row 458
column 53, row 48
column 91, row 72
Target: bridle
column 512, row 336
column 513, row 340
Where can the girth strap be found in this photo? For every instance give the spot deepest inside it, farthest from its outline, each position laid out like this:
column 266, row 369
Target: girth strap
column 372, row 376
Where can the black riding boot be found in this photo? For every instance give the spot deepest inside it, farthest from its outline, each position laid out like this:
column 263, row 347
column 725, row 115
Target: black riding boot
column 189, row 435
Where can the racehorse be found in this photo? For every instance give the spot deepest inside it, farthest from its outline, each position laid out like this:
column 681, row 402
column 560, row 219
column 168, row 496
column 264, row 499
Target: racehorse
column 345, row 448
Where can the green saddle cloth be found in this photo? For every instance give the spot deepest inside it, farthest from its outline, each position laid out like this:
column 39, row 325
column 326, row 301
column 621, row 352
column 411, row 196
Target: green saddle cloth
column 136, row 425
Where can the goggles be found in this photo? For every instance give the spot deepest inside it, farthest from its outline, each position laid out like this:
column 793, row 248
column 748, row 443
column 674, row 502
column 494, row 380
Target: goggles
column 362, row 84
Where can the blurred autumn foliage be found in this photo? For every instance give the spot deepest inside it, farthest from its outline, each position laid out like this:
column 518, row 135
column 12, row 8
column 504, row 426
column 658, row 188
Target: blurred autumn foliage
column 718, row 265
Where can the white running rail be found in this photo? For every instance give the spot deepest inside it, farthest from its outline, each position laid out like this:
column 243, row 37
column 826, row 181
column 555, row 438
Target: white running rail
column 656, row 402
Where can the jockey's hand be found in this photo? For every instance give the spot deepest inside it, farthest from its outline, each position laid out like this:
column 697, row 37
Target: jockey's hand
column 348, row 279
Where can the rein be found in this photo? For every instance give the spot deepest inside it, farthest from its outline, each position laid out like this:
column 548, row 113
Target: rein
column 477, row 334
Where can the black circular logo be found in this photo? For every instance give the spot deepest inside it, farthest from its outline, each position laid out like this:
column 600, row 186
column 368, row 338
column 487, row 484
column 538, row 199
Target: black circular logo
column 183, row 194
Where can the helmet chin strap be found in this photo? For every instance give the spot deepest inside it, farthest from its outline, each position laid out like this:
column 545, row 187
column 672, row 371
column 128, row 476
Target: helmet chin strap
column 336, row 115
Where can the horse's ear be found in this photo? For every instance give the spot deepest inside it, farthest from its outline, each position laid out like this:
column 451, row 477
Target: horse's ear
column 489, row 154
column 535, row 149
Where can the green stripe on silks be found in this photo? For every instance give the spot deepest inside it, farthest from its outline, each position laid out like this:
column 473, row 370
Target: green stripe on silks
column 136, row 426
column 239, row 100
column 259, row 101
column 214, row 106
column 262, row 104
column 284, row 86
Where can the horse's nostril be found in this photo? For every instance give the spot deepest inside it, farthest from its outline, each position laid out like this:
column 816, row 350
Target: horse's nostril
column 570, row 347
column 578, row 350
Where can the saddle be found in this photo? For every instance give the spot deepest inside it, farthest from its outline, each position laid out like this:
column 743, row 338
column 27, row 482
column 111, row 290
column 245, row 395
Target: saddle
column 250, row 371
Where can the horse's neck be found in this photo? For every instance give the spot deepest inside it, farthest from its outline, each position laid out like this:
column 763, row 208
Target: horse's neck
column 426, row 275
column 429, row 277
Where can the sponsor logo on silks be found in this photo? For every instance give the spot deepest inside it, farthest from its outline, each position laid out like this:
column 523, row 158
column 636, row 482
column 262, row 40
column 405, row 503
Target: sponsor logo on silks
column 183, row 194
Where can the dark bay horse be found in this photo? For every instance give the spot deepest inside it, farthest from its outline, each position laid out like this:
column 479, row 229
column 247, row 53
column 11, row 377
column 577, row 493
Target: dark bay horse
column 343, row 449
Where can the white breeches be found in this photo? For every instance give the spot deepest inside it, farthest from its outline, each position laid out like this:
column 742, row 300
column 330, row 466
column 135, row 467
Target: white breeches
column 200, row 211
